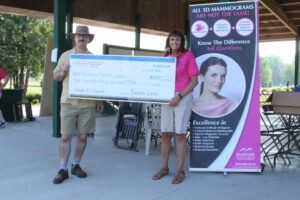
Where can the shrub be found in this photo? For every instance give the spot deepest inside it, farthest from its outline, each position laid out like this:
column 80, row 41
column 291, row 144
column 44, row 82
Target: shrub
column 34, row 98
column 35, row 101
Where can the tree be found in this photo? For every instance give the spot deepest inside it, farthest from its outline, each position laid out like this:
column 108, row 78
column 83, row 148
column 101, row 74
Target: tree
column 289, row 72
column 277, row 67
column 266, row 72
column 280, row 72
column 22, row 46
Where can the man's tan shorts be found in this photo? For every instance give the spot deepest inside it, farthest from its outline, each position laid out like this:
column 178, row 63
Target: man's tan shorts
column 73, row 118
column 175, row 119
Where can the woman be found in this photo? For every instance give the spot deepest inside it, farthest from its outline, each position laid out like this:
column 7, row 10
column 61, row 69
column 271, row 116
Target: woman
column 210, row 103
column 4, row 78
column 176, row 114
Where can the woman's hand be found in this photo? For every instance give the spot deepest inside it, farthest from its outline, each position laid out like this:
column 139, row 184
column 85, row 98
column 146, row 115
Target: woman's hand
column 175, row 100
column 100, row 106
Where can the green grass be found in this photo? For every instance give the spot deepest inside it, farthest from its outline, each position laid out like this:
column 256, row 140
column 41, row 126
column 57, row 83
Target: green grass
column 276, row 88
column 34, row 90
column 34, row 87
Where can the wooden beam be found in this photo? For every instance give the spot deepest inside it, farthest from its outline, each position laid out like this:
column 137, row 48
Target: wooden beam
column 25, row 12
column 274, row 28
column 267, row 18
column 198, row 1
column 268, row 38
column 287, row 2
column 266, row 14
column 274, row 36
column 292, row 13
column 274, row 8
column 270, row 24
column 290, row 7
column 274, row 32
column 296, row 22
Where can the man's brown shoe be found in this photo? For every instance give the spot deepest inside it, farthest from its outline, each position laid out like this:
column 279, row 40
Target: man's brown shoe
column 76, row 170
column 61, row 176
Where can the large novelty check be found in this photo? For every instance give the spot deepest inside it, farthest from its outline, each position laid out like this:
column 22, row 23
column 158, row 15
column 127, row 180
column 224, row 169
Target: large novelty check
column 122, row 78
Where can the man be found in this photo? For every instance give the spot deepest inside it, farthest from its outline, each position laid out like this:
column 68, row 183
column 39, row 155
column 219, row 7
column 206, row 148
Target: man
column 3, row 81
column 76, row 114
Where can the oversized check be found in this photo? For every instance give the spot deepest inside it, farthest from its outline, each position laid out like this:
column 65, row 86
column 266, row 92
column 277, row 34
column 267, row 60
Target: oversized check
column 122, row 78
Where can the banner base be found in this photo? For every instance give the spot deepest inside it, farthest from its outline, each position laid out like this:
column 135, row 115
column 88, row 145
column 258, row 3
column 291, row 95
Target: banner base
column 224, row 170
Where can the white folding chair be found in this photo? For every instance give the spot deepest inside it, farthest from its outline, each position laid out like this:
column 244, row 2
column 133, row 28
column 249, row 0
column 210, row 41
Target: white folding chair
column 152, row 125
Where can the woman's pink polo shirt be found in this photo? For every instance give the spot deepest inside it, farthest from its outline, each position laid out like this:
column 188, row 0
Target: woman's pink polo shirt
column 186, row 68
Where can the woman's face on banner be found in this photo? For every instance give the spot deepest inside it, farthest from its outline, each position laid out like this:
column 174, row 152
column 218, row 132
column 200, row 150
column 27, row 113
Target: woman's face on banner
column 175, row 43
column 214, row 78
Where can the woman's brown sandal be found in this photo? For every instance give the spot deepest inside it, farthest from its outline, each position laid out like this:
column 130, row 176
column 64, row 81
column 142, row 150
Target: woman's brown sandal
column 178, row 178
column 161, row 173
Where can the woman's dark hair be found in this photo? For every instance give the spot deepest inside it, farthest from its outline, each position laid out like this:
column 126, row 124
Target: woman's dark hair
column 211, row 61
column 207, row 63
column 175, row 33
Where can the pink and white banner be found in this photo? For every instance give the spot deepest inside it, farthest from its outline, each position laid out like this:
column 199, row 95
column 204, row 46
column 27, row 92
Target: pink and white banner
column 225, row 123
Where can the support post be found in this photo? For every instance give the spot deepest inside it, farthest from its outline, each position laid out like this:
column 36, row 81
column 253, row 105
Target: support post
column 137, row 19
column 297, row 60
column 137, row 31
column 62, row 27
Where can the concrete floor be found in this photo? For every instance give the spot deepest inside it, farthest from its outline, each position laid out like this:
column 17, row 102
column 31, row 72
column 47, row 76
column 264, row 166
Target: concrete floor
column 29, row 161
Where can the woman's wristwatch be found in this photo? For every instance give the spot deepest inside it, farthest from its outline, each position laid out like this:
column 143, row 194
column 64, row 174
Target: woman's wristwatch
column 180, row 95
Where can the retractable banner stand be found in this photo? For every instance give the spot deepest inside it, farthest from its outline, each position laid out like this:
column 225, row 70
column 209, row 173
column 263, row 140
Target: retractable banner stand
column 225, row 124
